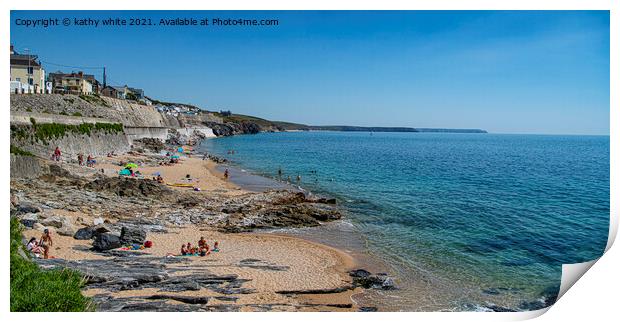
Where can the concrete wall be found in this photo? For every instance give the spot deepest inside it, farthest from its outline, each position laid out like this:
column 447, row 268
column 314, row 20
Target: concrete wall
column 135, row 133
column 98, row 143
column 26, row 167
column 24, row 118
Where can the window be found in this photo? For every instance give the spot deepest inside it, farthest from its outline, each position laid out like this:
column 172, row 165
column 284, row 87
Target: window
column 30, row 81
column 18, row 79
column 30, row 70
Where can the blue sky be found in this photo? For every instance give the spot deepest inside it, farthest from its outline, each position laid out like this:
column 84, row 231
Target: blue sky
column 506, row 72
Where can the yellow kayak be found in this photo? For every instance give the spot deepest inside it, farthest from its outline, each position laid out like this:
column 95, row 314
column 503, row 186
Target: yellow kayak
column 182, row 185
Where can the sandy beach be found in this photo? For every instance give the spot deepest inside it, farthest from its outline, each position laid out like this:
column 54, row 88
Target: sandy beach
column 271, row 263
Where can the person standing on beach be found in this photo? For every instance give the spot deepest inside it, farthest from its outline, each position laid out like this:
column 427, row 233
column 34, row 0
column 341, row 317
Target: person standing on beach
column 226, row 174
column 80, row 159
column 46, row 242
column 57, row 154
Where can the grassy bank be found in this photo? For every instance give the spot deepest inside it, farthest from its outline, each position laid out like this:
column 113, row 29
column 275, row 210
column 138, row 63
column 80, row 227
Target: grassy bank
column 37, row 290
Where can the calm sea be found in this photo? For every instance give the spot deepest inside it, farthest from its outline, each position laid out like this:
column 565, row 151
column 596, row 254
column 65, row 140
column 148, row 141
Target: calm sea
column 464, row 221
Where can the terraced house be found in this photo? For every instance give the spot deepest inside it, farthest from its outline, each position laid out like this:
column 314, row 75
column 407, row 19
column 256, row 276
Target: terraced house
column 27, row 74
column 74, row 83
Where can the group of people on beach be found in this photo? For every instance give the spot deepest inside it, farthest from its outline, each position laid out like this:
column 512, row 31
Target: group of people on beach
column 90, row 161
column 36, row 247
column 201, row 250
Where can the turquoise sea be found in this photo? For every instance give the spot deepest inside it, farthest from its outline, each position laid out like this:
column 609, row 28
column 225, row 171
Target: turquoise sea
column 463, row 221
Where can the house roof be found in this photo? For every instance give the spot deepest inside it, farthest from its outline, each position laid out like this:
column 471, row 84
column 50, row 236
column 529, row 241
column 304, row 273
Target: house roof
column 22, row 60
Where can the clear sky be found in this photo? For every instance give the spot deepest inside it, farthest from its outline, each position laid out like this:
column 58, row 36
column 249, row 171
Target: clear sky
column 505, row 72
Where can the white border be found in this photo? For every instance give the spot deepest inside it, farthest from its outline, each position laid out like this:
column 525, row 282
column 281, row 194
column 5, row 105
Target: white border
column 594, row 296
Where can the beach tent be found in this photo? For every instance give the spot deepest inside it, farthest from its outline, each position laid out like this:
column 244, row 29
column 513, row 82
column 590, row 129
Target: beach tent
column 131, row 165
column 124, row 172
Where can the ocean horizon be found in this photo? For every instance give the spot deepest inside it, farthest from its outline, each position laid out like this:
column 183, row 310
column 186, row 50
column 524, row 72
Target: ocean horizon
column 463, row 221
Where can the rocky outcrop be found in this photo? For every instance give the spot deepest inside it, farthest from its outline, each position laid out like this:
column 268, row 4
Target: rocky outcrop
column 148, row 272
column 132, row 235
column 106, row 241
column 149, row 144
column 130, row 187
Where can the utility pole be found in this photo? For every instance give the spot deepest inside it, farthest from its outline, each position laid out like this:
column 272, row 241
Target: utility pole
column 28, row 70
column 104, row 80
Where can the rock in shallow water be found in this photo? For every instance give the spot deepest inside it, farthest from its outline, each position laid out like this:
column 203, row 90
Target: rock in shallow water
column 365, row 279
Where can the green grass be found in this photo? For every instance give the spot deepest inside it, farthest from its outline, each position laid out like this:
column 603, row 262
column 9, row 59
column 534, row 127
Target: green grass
column 37, row 290
column 47, row 131
column 17, row 151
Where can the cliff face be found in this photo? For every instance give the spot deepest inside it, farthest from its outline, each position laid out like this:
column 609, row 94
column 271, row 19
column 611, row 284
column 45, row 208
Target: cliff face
column 132, row 114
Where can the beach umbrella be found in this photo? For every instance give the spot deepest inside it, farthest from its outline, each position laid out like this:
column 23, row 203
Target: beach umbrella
column 180, row 149
column 131, row 165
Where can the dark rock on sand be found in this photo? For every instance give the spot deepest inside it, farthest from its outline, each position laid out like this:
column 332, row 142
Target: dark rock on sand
column 26, row 208
column 132, row 235
column 106, row 241
column 180, row 298
column 318, row 291
column 28, row 222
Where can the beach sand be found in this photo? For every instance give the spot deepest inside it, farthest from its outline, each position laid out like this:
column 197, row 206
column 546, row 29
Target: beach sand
column 300, row 264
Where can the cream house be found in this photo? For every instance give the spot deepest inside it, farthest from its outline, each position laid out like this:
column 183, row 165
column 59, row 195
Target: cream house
column 74, row 83
column 27, row 74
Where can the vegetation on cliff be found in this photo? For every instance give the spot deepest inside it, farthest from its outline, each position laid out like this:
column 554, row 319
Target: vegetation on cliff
column 17, row 151
column 48, row 131
column 37, row 290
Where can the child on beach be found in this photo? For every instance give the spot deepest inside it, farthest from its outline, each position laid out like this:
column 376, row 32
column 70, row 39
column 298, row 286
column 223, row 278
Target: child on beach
column 216, row 247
